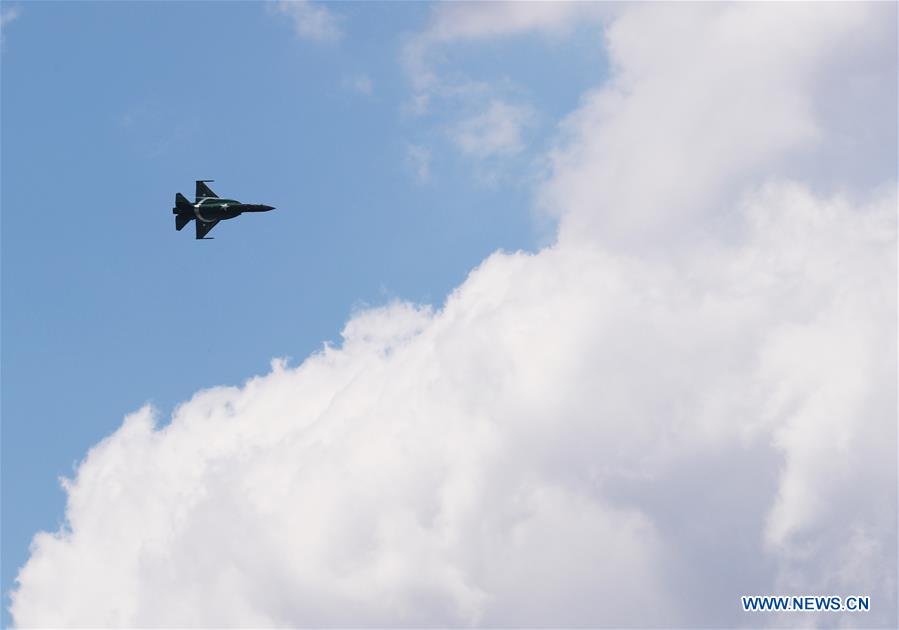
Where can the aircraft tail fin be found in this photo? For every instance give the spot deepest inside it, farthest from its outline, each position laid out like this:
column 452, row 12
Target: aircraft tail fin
column 181, row 220
column 181, row 200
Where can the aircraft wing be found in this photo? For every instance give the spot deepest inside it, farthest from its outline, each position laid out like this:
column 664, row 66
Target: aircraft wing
column 204, row 227
column 203, row 190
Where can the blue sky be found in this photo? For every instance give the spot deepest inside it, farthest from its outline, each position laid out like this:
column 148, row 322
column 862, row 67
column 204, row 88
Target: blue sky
column 108, row 109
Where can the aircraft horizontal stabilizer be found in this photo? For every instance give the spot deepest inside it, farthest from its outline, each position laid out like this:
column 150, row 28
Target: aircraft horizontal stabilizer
column 181, row 220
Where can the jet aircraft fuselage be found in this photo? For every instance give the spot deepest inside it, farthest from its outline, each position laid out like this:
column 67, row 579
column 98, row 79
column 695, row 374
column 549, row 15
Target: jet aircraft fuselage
column 208, row 209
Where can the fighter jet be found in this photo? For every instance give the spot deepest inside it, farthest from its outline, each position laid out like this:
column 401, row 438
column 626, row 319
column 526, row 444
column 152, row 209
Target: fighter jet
column 209, row 209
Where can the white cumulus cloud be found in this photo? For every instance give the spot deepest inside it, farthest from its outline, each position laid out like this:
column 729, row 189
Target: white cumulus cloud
column 8, row 15
column 454, row 23
column 688, row 397
column 359, row 83
column 311, row 20
column 497, row 130
column 686, row 121
column 418, row 160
